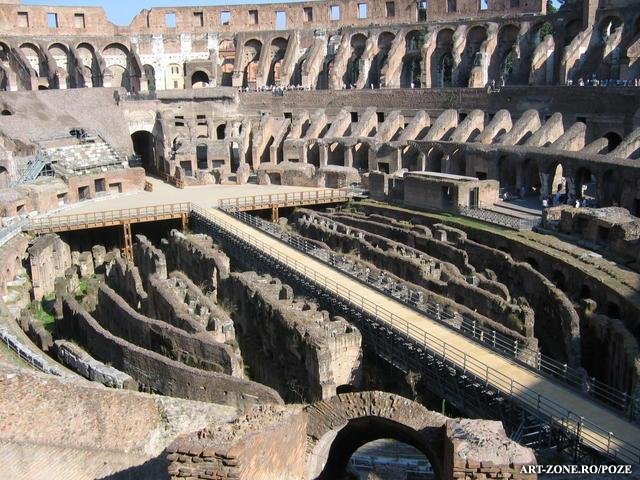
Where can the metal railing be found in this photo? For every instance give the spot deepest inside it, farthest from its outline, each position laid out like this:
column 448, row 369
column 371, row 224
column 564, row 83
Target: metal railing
column 32, row 359
column 10, row 231
column 110, row 217
column 498, row 218
column 39, row 165
column 585, row 431
column 530, row 358
column 257, row 202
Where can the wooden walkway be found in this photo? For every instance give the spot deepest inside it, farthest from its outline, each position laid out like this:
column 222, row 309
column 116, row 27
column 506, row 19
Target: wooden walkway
column 599, row 427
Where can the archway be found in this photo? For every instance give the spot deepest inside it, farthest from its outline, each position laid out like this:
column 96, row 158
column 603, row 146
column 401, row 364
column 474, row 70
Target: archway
column 610, row 192
column 411, row 72
column 251, row 54
column 277, row 49
column 557, row 183
column 199, row 79
column 385, row 40
column 585, row 183
column 475, row 38
column 361, row 431
column 504, row 57
column 144, row 145
column 614, row 140
column 609, row 25
column 506, row 174
column 221, row 131
column 445, row 70
column 117, row 73
column 434, row 160
column 441, row 69
column 340, row 425
column 336, row 154
column 150, row 74
column 352, row 73
column 531, row 177
column 227, row 73
column 571, row 30
column 202, row 156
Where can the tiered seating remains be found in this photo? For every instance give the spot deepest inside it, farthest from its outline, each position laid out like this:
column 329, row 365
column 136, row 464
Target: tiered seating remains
column 84, row 158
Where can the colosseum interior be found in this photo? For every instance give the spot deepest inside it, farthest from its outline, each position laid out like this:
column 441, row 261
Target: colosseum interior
column 346, row 239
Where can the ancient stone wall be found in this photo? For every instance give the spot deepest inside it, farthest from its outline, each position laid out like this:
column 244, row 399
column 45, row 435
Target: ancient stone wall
column 457, row 449
column 416, row 267
column 287, row 343
column 155, row 372
column 607, row 338
column 11, row 256
column 196, row 255
column 176, row 299
column 49, row 257
column 479, row 449
column 124, row 277
column 73, row 357
column 267, row 444
column 523, row 280
column 198, row 350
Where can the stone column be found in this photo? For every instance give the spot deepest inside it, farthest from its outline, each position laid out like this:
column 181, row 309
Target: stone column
column 545, row 184
column 323, row 149
column 348, row 156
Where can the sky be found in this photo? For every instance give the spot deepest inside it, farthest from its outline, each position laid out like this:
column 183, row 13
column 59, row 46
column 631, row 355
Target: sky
column 121, row 12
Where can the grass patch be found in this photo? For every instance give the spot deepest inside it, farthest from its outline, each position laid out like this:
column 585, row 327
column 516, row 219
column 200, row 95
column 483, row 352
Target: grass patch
column 44, row 317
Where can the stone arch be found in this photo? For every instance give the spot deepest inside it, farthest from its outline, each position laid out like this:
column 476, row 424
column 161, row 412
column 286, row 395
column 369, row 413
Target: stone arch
column 338, row 426
column 442, row 59
column 226, row 68
column 559, row 279
column 507, row 173
column 61, row 56
column 86, row 53
column 608, row 25
column 531, row 173
column 150, row 75
column 336, row 154
column 609, row 191
column 411, row 73
column 475, row 38
column 200, row 79
column 144, row 145
column 458, row 163
column 358, row 43
column 504, row 56
column 385, row 40
column 202, row 156
column 435, row 160
column 539, row 32
column 555, row 180
column 614, row 140
column 221, row 131
column 584, row 182
column 277, row 49
column 250, row 58
column 117, row 71
column 36, row 59
column 571, row 30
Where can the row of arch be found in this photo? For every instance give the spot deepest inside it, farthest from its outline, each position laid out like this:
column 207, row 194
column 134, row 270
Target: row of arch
column 539, row 176
column 57, row 65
